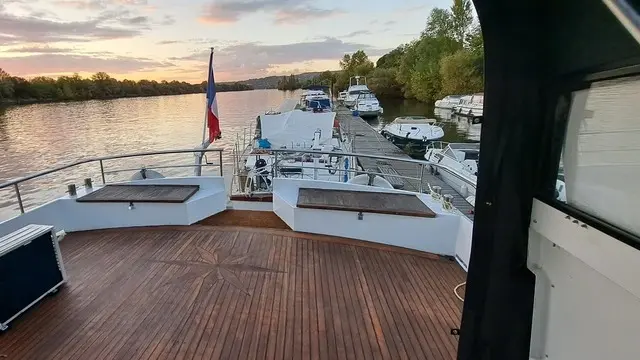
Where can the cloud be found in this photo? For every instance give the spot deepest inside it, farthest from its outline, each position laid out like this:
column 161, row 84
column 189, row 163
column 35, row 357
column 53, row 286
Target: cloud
column 286, row 11
column 81, row 4
column 137, row 20
column 356, row 33
column 40, row 50
column 59, row 63
column 97, row 4
column 255, row 58
column 167, row 42
column 300, row 14
column 168, row 20
column 32, row 29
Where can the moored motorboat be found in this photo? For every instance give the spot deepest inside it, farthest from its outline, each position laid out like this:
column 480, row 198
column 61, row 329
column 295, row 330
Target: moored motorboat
column 315, row 100
column 471, row 106
column 417, row 130
column 367, row 105
column 459, row 165
column 357, row 85
column 448, row 102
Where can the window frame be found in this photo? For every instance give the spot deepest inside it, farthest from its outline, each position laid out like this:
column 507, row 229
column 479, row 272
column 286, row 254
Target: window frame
column 557, row 116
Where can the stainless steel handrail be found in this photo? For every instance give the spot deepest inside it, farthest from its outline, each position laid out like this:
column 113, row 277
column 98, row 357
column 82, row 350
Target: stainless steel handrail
column 421, row 163
column 16, row 182
column 89, row 160
column 156, row 167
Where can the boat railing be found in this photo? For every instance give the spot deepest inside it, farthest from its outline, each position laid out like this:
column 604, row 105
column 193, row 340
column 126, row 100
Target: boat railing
column 420, row 164
column 15, row 183
column 438, row 145
column 275, row 167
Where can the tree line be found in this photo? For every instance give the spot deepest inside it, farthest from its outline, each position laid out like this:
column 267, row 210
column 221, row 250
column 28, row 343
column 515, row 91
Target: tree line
column 446, row 59
column 15, row 89
column 292, row 82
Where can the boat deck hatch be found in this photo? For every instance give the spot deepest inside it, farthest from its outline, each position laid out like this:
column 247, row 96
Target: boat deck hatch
column 360, row 201
column 141, row 193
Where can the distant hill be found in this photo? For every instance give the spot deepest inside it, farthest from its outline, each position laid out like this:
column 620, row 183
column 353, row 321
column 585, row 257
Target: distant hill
column 271, row 82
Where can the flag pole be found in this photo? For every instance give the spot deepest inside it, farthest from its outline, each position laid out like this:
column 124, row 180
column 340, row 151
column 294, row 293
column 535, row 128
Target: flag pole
column 205, row 142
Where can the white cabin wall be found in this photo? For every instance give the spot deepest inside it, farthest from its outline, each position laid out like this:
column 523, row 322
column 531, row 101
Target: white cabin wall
column 587, row 296
column 463, row 242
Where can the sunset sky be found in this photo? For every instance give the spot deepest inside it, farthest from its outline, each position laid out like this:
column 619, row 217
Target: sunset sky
column 169, row 39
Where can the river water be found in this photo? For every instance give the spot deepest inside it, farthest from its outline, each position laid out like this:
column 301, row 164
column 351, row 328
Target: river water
column 41, row 136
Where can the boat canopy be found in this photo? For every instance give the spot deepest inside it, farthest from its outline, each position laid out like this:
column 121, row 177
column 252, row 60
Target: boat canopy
column 296, row 128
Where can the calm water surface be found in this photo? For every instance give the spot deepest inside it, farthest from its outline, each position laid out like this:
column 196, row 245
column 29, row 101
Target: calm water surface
column 42, row 136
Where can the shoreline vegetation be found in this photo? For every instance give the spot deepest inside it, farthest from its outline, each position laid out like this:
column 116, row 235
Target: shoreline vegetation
column 447, row 59
column 100, row 86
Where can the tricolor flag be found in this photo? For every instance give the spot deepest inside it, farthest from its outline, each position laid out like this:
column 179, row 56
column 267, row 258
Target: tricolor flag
column 213, row 120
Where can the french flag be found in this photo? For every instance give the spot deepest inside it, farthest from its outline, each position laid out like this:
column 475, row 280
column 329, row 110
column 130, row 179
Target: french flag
column 213, row 120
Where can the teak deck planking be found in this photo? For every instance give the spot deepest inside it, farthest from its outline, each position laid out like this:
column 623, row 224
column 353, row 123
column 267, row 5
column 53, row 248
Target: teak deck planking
column 370, row 202
column 204, row 292
column 141, row 193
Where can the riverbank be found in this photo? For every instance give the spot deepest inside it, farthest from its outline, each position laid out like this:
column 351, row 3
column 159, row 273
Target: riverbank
column 100, row 86
column 13, row 102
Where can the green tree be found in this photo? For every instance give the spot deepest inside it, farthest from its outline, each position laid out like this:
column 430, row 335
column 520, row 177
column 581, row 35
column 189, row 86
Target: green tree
column 6, row 86
column 356, row 64
column 384, row 82
column 391, row 59
column 439, row 24
column 459, row 73
column 461, row 19
column 289, row 83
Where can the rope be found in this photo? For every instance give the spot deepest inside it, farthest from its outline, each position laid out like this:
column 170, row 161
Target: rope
column 455, row 290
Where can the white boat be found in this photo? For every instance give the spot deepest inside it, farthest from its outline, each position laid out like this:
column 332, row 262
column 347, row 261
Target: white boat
column 357, row 85
column 471, row 106
column 342, row 96
column 367, row 105
column 299, row 131
column 412, row 129
column 316, row 100
column 448, row 102
column 459, row 165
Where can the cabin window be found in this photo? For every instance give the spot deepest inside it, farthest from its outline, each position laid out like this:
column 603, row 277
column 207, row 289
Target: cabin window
column 450, row 153
column 471, row 155
column 599, row 170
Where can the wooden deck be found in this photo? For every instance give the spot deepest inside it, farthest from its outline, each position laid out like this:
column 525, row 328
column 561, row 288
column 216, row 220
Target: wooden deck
column 204, row 292
column 370, row 202
column 141, row 193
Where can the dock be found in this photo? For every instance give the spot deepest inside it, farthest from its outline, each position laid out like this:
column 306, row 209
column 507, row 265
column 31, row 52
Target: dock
column 366, row 140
